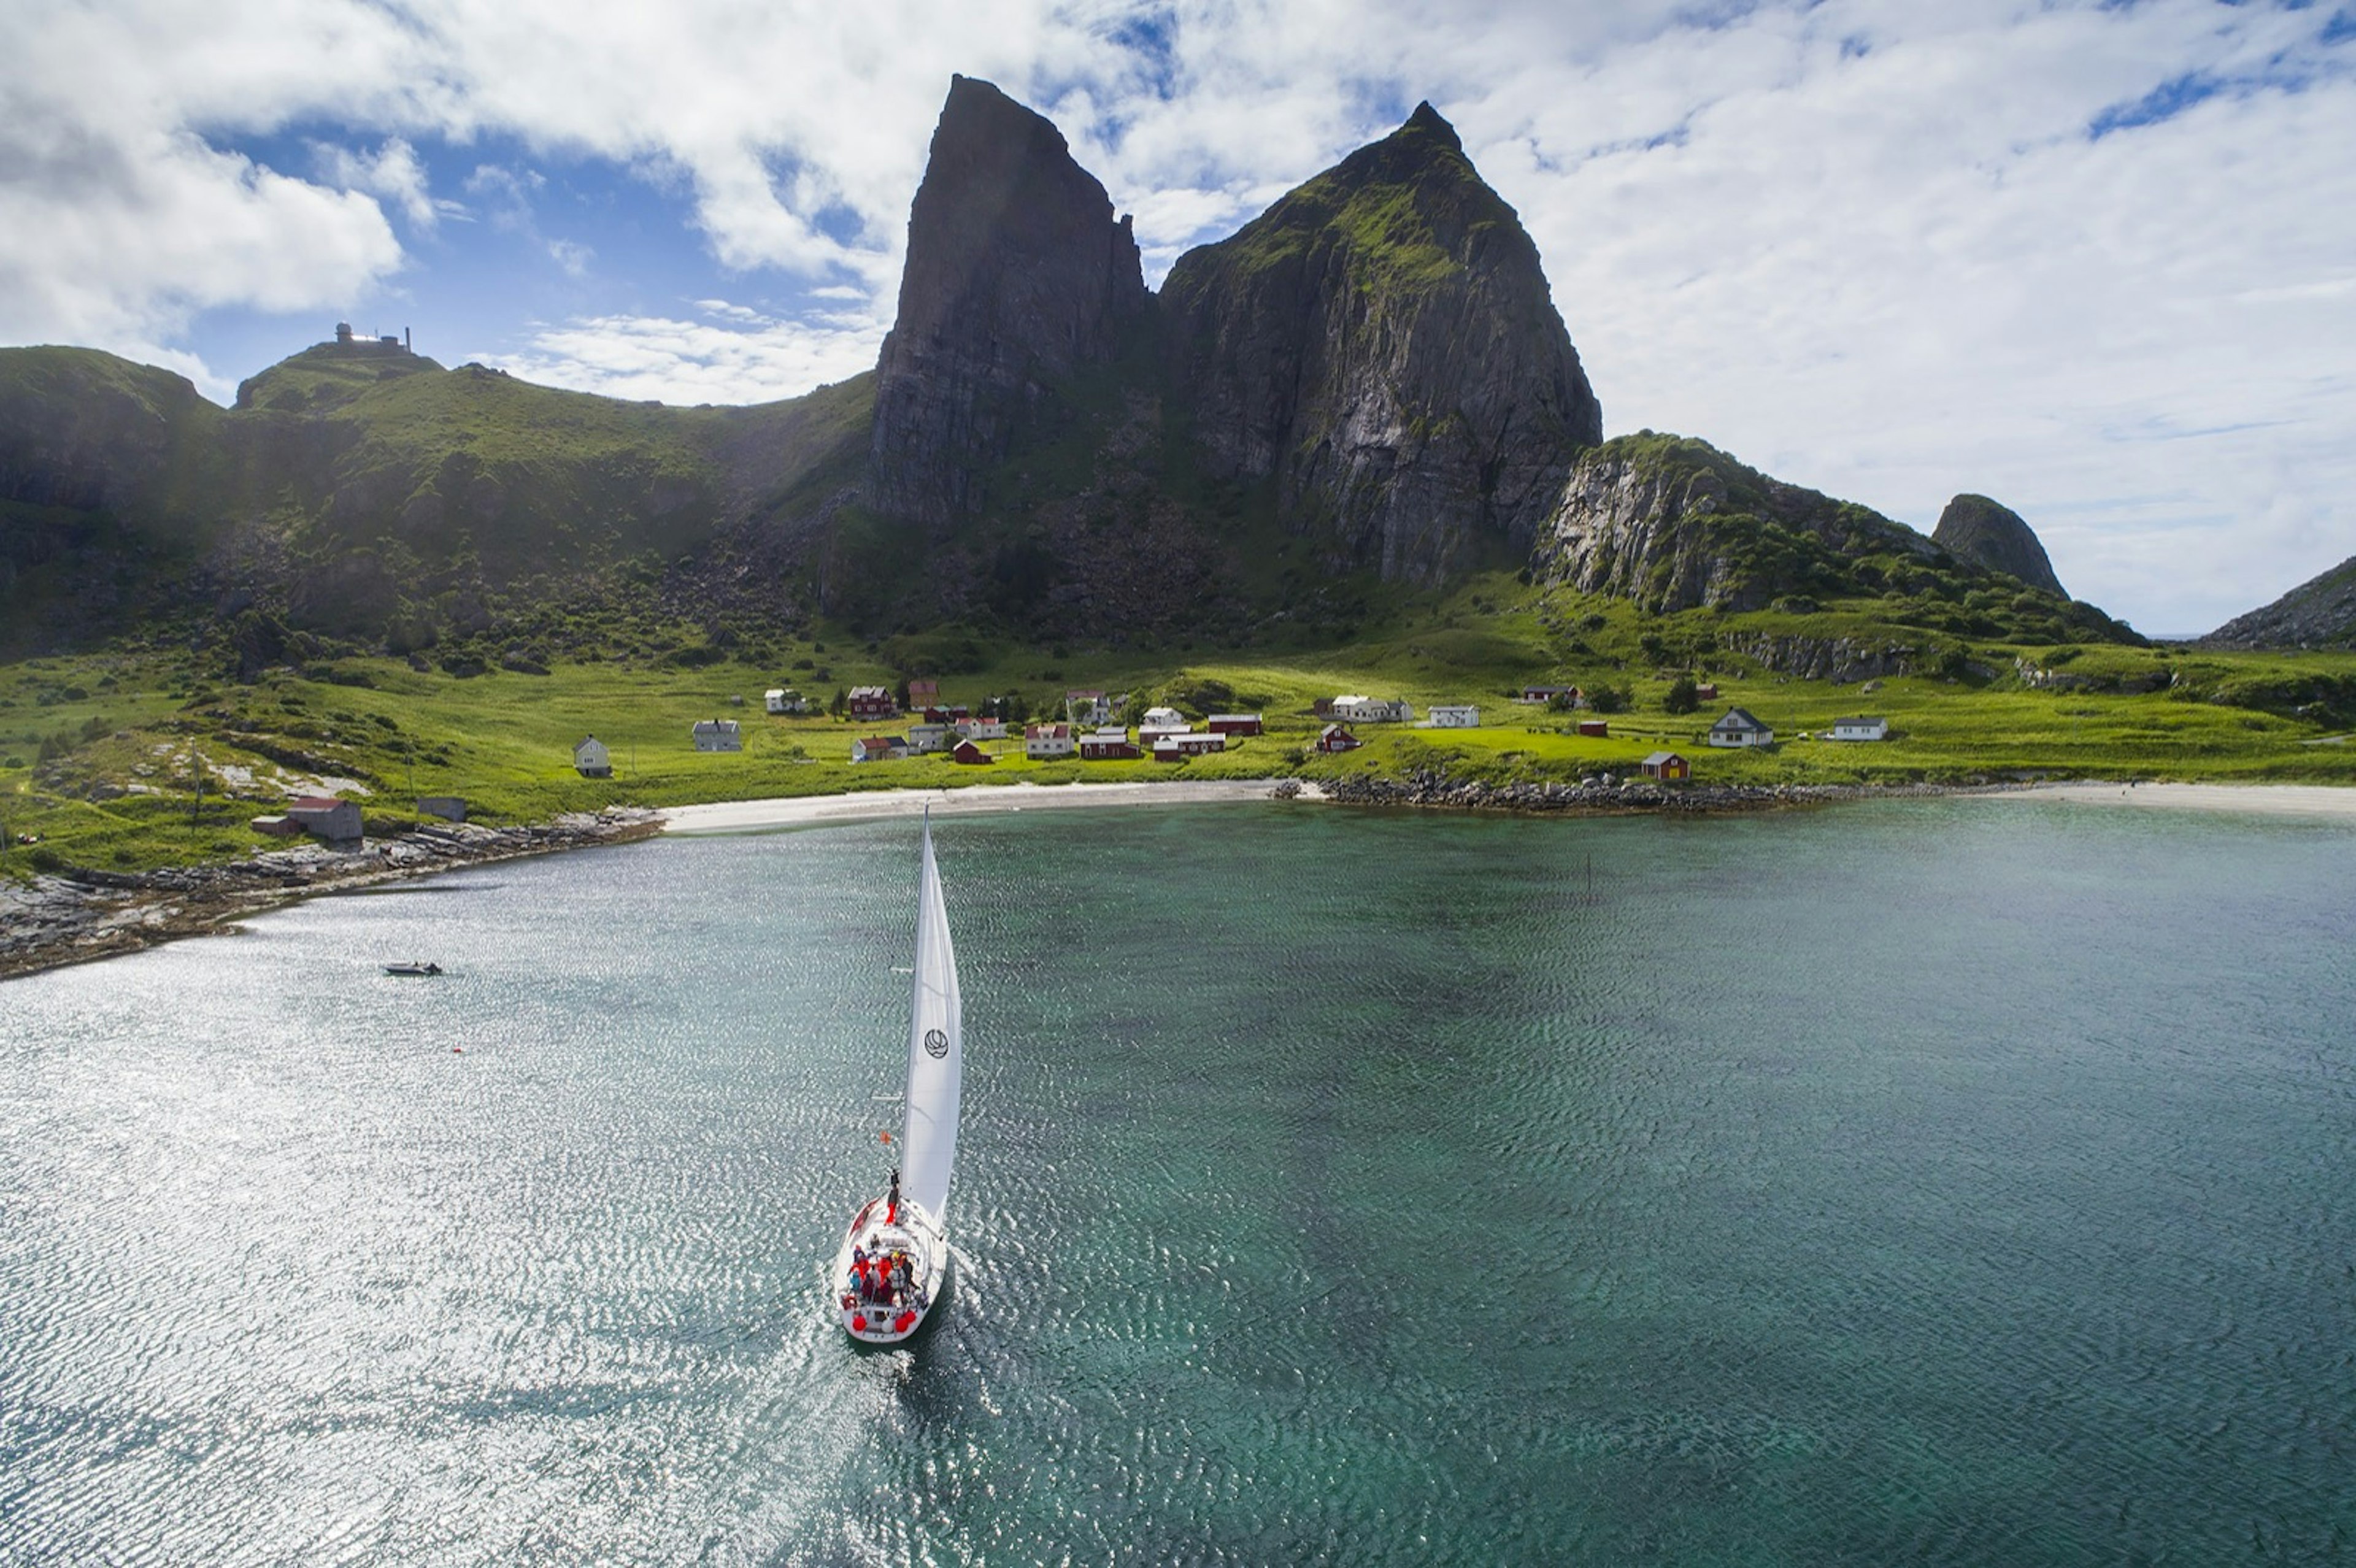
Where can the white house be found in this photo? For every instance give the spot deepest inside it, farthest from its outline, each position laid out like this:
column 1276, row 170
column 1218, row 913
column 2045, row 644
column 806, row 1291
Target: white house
column 1739, row 728
column 982, row 727
column 591, row 760
column 1158, row 722
column 1356, row 710
column 1875, row 729
column 924, row 738
column 718, row 735
column 1085, row 705
column 785, row 700
column 1453, row 716
column 1042, row 742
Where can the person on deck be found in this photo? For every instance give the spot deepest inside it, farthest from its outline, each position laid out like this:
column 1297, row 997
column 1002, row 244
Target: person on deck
column 892, row 1213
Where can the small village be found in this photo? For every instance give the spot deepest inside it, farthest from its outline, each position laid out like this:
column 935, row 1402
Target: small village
column 919, row 722
column 916, row 723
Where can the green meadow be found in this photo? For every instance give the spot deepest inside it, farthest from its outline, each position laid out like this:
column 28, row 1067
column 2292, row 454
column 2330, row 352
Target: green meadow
column 103, row 754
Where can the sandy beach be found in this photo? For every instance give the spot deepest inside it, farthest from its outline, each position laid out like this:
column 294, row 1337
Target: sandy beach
column 2326, row 802
column 758, row 816
column 2312, row 801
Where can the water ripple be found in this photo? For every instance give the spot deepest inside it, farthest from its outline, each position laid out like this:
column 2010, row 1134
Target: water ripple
column 1865, row 1187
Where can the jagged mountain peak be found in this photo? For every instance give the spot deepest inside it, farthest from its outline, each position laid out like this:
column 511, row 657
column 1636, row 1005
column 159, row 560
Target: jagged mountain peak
column 1428, row 121
column 1382, row 342
column 1017, row 273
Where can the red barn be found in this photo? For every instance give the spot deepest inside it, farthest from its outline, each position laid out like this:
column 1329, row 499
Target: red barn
column 1233, row 723
column 1334, row 738
column 1666, row 766
column 1599, row 729
column 967, row 753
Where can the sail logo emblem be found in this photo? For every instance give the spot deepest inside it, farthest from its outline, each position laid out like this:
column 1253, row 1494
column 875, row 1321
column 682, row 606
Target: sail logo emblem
column 935, row 1043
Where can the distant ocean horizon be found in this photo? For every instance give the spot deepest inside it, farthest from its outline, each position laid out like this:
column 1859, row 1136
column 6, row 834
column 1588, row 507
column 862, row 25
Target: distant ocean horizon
column 1928, row 1180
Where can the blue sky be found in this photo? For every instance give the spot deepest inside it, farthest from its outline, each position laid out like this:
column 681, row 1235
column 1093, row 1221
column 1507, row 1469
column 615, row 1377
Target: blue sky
column 2096, row 260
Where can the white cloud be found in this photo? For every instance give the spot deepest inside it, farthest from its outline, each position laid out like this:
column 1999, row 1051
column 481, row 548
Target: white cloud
column 733, row 355
column 391, row 172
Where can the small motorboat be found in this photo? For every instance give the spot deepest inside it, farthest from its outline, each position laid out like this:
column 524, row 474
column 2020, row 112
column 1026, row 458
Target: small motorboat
column 413, row 966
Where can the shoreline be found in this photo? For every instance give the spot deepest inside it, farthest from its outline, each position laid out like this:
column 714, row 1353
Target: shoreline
column 56, row 919
column 2331, row 803
column 984, row 800
column 62, row 918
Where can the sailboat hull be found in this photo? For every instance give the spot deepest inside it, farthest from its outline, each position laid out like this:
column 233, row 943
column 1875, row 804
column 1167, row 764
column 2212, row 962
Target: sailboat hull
column 890, row 1306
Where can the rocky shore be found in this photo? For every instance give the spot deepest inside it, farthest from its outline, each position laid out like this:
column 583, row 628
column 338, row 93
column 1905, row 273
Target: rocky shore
column 1427, row 789
column 82, row 914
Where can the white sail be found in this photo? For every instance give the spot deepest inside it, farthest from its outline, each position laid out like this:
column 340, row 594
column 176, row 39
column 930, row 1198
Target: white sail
column 936, row 1051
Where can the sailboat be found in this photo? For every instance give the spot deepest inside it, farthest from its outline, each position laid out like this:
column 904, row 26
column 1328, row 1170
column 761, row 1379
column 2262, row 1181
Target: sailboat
column 894, row 1259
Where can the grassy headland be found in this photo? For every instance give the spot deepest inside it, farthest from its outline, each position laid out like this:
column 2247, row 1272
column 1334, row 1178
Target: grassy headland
column 101, row 754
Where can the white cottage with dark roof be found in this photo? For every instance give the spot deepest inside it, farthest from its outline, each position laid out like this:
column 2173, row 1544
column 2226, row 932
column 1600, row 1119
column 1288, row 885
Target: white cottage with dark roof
column 1741, row 728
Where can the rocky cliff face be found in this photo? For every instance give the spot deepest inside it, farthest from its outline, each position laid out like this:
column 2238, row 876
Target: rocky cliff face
column 1383, row 344
column 2319, row 613
column 1017, row 276
column 1675, row 524
column 1978, row 529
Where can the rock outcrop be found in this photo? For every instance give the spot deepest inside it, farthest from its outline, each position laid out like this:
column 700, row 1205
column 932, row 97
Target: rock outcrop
column 1017, row 276
column 2319, row 613
column 1994, row 535
column 1674, row 524
column 1383, row 344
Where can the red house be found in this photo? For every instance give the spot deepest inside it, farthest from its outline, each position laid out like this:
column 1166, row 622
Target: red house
column 1600, row 728
column 923, row 693
column 1334, row 738
column 967, row 753
column 872, row 702
column 1233, row 723
column 1666, row 766
column 1109, row 746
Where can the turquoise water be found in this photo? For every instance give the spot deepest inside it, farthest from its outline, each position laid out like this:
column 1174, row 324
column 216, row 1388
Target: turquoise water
column 1940, row 1182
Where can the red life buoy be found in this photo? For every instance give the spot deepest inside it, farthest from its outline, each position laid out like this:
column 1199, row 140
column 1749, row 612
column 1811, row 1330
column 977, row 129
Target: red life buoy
column 901, row 1326
column 859, row 1322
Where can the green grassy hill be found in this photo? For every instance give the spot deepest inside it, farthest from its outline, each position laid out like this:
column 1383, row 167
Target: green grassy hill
column 360, row 493
column 100, row 753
